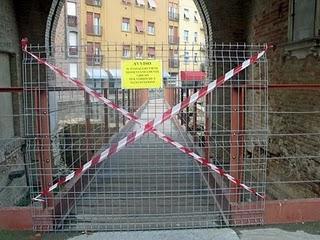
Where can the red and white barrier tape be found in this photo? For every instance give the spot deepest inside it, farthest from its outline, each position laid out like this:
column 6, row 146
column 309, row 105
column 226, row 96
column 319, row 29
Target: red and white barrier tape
column 146, row 126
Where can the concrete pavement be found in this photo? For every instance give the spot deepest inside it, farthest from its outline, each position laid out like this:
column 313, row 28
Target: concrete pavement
column 204, row 234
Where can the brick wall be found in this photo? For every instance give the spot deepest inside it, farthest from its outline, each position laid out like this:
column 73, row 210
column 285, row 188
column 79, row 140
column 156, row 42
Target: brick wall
column 227, row 20
column 267, row 22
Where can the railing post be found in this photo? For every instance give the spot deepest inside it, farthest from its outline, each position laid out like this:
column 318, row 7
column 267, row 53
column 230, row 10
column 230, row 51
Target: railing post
column 88, row 128
column 207, row 127
column 236, row 140
column 106, row 116
column 187, row 113
column 195, row 118
column 123, row 105
column 181, row 113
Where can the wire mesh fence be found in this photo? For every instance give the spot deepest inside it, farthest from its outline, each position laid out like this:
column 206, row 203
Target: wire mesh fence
column 149, row 184
column 293, row 161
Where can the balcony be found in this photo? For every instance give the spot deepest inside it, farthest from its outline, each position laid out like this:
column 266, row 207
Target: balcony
column 173, row 63
column 95, row 30
column 173, row 16
column 173, row 39
column 72, row 21
column 73, row 51
column 94, row 60
column 96, row 3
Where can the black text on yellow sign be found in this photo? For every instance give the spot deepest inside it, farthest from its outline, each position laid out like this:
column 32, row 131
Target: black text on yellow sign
column 141, row 74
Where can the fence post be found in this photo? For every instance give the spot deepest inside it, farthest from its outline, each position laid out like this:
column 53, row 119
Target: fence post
column 195, row 118
column 236, row 140
column 116, row 113
column 44, row 143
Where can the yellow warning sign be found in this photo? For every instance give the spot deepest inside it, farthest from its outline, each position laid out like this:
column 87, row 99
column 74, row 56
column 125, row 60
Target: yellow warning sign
column 141, row 74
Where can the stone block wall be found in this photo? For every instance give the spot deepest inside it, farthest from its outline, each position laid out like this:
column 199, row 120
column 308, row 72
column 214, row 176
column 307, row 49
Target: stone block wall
column 13, row 174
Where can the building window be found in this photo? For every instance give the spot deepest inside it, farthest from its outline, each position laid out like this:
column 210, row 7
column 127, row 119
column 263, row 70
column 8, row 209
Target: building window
column 152, row 4
column 195, row 55
column 173, row 59
column 97, row 23
column 71, row 14
column 94, row 24
column 195, row 37
column 173, row 12
column 96, row 3
column 303, row 19
column 97, row 49
column 71, row 9
column 94, row 56
column 186, row 35
column 196, row 16
column 126, row 24
column 139, row 51
column 126, row 51
column 186, row 15
column 151, row 52
column 73, row 70
column 173, row 35
column 151, row 28
column 140, row 3
column 73, row 43
column 186, row 57
column 127, row 2
column 7, row 125
column 304, row 28
column 139, row 26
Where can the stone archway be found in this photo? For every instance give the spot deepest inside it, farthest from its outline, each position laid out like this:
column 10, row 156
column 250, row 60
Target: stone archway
column 52, row 21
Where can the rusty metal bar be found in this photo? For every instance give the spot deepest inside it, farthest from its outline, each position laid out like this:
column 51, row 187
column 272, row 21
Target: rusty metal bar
column 207, row 128
column 43, row 142
column 88, row 128
column 195, row 111
column 236, row 139
column 17, row 218
column 279, row 211
column 117, row 114
column 12, row 89
column 106, row 117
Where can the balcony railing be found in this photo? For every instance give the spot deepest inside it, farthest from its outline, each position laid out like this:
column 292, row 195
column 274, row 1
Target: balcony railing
column 94, row 2
column 173, row 63
column 173, row 16
column 126, row 2
column 73, row 51
column 94, row 60
column 95, row 30
column 173, row 39
column 203, row 47
column 72, row 21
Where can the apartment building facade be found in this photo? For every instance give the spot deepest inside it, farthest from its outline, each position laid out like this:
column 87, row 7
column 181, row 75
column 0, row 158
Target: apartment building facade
column 100, row 34
column 67, row 50
column 192, row 44
column 114, row 31
column 173, row 39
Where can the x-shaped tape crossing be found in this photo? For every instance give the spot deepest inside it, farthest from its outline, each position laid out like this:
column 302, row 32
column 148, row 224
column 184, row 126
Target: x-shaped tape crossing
column 149, row 126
